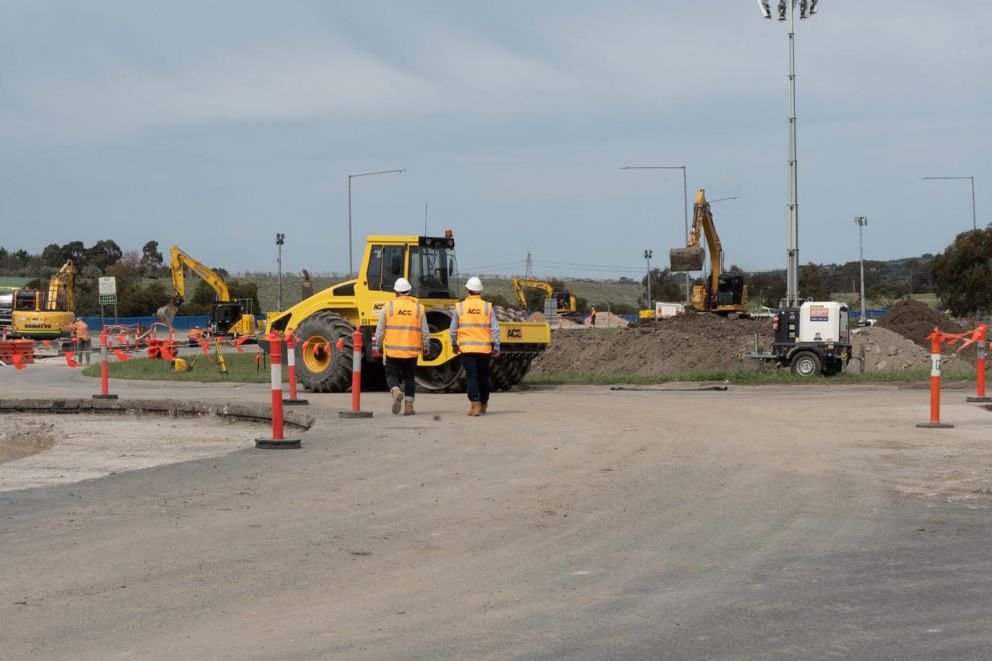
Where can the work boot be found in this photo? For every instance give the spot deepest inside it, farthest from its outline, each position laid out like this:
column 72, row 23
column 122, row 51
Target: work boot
column 482, row 407
column 476, row 409
column 408, row 407
column 397, row 399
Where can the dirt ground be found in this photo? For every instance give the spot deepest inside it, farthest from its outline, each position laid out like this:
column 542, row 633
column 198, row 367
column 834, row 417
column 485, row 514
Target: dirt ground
column 43, row 450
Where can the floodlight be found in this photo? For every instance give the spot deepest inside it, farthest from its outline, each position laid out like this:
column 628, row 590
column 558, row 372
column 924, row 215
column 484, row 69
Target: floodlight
column 781, row 9
column 803, row 8
column 813, row 6
column 766, row 11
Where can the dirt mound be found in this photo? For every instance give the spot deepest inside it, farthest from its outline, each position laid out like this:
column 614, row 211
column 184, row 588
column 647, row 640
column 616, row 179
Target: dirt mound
column 708, row 342
column 915, row 320
column 680, row 344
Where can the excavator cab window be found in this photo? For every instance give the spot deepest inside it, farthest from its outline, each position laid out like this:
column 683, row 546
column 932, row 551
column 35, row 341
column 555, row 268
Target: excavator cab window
column 385, row 267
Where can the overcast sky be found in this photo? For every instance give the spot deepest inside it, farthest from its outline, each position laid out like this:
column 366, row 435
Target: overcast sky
column 214, row 125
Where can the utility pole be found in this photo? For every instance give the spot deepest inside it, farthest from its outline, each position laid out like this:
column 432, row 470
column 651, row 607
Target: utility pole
column 647, row 257
column 861, row 222
column 280, row 239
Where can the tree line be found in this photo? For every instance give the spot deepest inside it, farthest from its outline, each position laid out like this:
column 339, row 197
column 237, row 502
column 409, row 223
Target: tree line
column 143, row 278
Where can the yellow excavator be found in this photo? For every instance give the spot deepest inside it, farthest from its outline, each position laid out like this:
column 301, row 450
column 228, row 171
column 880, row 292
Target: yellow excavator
column 45, row 313
column 325, row 322
column 564, row 300
column 229, row 317
column 722, row 293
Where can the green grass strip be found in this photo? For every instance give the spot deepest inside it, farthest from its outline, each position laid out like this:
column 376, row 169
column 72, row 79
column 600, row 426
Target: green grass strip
column 241, row 368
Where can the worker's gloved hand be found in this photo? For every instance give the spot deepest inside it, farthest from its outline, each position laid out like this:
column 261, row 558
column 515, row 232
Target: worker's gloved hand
column 454, row 347
column 496, row 352
column 375, row 353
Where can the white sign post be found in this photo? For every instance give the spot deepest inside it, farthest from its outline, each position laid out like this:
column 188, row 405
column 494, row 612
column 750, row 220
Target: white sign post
column 108, row 294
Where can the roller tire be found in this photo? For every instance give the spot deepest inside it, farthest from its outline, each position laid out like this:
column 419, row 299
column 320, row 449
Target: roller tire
column 336, row 375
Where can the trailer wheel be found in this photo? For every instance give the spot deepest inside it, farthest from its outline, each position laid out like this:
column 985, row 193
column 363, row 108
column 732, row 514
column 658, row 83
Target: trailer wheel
column 806, row 363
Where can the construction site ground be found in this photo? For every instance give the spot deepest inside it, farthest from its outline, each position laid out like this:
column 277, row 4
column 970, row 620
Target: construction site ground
column 568, row 523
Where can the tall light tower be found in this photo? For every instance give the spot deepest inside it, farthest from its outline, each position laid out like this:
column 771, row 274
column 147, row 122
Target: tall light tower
column 647, row 257
column 861, row 222
column 280, row 239
column 787, row 12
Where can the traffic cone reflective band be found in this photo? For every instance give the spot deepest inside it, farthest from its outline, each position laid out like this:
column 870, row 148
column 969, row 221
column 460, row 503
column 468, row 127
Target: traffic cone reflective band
column 277, row 441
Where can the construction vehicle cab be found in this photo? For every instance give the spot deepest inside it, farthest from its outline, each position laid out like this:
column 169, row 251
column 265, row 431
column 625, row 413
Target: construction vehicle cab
column 325, row 322
column 228, row 317
column 719, row 292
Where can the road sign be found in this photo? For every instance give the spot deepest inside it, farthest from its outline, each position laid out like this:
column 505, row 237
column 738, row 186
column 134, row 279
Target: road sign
column 108, row 286
column 108, row 299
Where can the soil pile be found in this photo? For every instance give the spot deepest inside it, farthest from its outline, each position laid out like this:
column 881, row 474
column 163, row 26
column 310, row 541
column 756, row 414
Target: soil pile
column 679, row 344
column 708, row 342
column 916, row 320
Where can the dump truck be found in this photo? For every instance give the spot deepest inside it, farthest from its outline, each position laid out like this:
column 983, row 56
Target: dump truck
column 722, row 293
column 325, row 322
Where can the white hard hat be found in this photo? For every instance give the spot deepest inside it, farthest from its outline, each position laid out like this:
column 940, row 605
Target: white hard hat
column 402, row 286
column 474, row 284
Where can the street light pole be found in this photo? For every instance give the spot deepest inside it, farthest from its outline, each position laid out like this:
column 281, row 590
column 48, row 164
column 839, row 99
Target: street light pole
column 351, row 265
column 861, row 222
column 974, row 220
column 647, row 256
column 280, row 239
column 787, row 12
column 685, row 203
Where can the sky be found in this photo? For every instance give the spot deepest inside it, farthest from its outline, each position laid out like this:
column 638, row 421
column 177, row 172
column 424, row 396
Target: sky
column 214, row 125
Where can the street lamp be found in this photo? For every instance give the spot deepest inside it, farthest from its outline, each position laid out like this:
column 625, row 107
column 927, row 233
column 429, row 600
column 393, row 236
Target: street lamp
column 351, row 266
column 787, row 12
column 861, row 222
column 280, row 239
column 721, row 199
column 647, row 256
column 974, row 222
column 685, row 203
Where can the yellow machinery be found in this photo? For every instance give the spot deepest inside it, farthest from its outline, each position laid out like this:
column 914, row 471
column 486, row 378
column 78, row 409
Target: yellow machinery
column 326, row 321
column 564, row 300
column 228, row 318
column 38, row 313
column 722, row 293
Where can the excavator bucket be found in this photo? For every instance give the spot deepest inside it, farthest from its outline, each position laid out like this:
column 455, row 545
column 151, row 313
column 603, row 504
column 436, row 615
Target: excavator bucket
column 687, row 259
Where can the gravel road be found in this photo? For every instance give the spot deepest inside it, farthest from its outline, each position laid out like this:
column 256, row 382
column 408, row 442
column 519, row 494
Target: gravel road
column 570, row 523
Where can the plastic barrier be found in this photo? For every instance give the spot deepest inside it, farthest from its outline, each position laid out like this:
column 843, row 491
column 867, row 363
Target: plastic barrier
column 291, row 366
column 938, row 338
column 17, row 352
column 277, row 442
column 982, row 344
column 356, row 379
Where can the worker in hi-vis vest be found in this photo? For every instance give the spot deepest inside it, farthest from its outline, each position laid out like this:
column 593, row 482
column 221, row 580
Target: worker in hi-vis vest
column 401, row 335
column 475, row 335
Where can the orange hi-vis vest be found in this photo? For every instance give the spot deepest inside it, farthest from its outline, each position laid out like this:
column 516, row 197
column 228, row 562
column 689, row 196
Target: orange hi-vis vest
column 474, row 323
column 404, row 325
column 80, row 330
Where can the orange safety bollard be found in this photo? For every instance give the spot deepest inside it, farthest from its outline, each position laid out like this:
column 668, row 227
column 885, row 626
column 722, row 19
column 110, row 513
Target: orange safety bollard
column 277, row 442
column 291, row 367
column 980, row 340
column 356, row 379
column 935, row 423
column 104, row 369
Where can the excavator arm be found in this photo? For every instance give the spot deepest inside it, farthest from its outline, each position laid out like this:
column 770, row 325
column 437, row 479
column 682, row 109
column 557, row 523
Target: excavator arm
column 181, row 261
column 60, row 286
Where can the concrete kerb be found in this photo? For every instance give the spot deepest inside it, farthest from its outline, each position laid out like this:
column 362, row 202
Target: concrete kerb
column 171, row 407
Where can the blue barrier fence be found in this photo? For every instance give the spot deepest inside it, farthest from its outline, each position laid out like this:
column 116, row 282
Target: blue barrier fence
column 95, row 324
